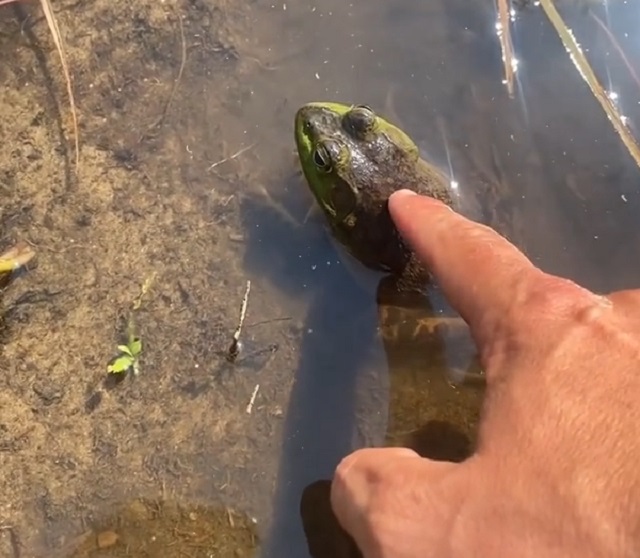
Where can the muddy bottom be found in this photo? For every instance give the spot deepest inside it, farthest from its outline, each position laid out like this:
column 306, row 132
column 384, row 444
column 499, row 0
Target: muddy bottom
column 156, row 204
column 150, row 528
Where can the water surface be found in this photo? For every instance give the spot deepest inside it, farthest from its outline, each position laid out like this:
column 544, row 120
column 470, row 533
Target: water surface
column 173, row 183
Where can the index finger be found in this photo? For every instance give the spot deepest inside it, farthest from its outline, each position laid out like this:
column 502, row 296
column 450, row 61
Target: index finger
column 481, row 273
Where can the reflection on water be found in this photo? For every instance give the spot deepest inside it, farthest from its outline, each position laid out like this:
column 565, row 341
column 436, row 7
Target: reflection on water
column 544, row 168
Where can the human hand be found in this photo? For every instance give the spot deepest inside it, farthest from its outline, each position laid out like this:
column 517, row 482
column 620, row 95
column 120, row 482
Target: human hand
column 557, row 467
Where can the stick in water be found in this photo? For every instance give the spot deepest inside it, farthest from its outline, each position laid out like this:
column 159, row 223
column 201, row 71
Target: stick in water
column 236, row 346
column 253, row 399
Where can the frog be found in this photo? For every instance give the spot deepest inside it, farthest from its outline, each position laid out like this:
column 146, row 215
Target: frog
column 352, row 160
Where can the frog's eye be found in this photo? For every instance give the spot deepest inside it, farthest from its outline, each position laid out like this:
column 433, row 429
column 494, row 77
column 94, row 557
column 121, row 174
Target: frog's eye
column 328, row 154
column 360, row 120
column 321, row 158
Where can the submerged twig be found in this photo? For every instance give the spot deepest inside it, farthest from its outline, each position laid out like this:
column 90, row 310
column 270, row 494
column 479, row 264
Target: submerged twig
column 234, row 348
column 57, row 39
column 253, row 399
column 504, row 33
column 581, row 62
column 183, row 63
column 47, row 8
column 616, row 45
column 231, row 157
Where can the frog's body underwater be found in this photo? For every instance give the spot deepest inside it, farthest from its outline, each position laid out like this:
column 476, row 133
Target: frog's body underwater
column 353, row 161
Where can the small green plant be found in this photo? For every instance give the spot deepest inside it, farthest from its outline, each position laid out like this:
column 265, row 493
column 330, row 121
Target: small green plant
column 129, row 353
column 127, row 360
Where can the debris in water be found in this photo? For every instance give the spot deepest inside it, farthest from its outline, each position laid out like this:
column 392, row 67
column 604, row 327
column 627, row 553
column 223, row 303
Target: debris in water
column 236, row 345
column 15, row 258
column 253, row 399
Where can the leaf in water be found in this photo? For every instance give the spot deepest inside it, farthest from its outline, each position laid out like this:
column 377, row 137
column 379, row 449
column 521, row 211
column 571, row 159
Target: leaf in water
column 121, row 364
column 126, row 350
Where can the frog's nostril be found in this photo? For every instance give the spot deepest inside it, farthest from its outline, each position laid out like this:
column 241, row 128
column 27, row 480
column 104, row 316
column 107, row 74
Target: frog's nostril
column 315, row 119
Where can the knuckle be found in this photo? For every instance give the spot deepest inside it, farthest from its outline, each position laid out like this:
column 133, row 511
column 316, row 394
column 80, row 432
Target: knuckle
column 553, row 297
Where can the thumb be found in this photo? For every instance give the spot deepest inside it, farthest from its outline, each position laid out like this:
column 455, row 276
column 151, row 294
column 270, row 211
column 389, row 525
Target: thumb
column 392, row 496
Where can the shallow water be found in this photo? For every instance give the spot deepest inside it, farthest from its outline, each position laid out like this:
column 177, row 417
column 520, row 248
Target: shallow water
column 544, row 168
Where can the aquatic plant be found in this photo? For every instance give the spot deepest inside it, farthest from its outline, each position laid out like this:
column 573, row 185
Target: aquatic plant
column 127, row 358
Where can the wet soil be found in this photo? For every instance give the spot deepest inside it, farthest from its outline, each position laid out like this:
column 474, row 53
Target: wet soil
column 143, row 203
column 147, row 528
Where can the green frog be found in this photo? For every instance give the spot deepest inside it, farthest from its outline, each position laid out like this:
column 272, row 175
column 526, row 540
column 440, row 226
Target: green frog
column 353, row 160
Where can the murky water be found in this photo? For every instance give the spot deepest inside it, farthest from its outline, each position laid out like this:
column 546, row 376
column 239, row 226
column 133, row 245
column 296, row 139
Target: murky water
column 544, row 168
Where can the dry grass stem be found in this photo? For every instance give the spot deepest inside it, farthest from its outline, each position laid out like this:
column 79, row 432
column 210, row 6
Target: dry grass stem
column 47, row 8
column 506, row 44
column 183, row 63
column 617, row 46
column 581, row 62
column 231, row 157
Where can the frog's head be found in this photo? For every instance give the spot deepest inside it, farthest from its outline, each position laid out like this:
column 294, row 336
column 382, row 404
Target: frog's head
column 353, row 161
column 350, row 155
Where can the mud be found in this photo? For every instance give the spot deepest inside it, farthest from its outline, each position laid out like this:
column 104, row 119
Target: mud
column 148, row 528
column 142, row 204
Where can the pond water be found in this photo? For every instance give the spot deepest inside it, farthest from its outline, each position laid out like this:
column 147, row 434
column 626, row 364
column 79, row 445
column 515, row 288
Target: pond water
column 188, row 178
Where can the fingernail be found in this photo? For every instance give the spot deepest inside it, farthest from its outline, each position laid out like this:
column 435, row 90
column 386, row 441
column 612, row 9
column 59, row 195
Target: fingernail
column 406, row 194
column 403, row 193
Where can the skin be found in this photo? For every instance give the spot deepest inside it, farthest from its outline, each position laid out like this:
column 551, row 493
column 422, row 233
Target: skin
column 555, row 473
column 353, row 161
